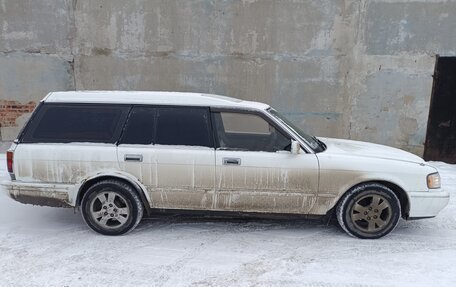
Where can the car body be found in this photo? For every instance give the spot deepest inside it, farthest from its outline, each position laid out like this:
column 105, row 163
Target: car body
column 112, row 151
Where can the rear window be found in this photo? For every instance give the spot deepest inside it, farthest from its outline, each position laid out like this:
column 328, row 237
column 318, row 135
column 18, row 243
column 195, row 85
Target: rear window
column 77, row 123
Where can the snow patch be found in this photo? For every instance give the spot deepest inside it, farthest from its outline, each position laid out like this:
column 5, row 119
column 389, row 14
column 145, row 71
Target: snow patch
column 42, row 246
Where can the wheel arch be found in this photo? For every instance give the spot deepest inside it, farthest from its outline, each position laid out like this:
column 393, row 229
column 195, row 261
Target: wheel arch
column 401, row 195
column 140, row 189
column 398, row 191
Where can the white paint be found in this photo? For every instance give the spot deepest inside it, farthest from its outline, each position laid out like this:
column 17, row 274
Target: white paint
column 346, row 163
column 68, row 164
column 428, row 203
column 174, row 176
column 145, row 97
column 365, row 149
column 262, row 178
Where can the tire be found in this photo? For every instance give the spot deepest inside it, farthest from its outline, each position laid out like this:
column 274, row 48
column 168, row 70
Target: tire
column 368, row 211
column 111, row 207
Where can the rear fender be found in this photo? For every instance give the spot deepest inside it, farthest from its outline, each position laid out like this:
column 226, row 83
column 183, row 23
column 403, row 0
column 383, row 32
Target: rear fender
column 142, row 190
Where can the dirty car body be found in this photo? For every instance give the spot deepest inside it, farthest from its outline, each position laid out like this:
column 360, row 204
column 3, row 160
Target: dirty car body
column 117, row 154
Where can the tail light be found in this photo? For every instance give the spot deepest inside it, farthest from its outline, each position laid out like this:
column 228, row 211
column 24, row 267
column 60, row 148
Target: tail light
column 9, row 160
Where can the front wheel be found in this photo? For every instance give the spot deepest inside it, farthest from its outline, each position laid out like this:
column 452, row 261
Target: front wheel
column 111, row 207
column 369, row 211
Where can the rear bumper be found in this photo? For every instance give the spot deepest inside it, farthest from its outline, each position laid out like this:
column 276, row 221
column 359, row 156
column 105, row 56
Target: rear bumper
column 55, row 195
column 427, row 204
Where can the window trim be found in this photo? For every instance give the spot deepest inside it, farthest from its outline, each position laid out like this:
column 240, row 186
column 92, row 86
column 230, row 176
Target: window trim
column 246, row 111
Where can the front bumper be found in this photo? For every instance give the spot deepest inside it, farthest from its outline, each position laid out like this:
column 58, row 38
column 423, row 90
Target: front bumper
column 55, row 195
column 427, row 204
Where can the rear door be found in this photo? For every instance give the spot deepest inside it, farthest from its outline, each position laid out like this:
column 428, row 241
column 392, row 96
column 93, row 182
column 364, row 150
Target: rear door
column 170, row 150
column 255, row 170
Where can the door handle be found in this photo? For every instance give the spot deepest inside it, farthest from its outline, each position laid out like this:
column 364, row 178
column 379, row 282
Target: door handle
column 231, row 161
column 133, row 157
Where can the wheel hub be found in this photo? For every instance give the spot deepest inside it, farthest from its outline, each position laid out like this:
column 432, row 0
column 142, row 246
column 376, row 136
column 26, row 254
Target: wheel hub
column 109, row 209
column 371, row 213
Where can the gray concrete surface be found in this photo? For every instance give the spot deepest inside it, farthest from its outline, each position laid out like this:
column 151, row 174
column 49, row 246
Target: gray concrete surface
column 349, row 68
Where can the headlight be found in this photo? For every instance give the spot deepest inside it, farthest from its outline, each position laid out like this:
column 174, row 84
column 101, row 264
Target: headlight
column 433, row 180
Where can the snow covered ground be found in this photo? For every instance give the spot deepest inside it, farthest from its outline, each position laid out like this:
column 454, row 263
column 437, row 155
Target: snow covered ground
column 42, row 246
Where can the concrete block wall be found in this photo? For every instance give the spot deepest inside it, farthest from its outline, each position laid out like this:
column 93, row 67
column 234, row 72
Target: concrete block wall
column 393, row 65
column 341, row 68
column 35, row 58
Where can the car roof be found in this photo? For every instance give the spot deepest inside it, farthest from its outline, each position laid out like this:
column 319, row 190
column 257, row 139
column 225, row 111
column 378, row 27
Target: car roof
column 148, row 97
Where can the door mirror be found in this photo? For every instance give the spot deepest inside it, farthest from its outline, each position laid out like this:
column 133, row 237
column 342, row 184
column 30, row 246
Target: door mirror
column 295, row 147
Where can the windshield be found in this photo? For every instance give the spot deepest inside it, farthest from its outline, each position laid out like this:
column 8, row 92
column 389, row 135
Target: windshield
column 312, row 141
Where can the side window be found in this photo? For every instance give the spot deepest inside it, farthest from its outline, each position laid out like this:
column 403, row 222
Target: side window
column 77, row 123
column 248, row 132
column 245, row 123
column 183, row 126
column 140, row 127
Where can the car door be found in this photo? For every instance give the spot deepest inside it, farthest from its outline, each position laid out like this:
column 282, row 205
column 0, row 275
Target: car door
column 170, row 150
column 255, row 170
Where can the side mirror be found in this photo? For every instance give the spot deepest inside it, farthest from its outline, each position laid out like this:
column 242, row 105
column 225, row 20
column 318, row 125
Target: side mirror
column 295, row 147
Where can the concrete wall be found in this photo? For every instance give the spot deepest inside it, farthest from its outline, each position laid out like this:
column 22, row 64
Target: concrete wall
column 350, row 69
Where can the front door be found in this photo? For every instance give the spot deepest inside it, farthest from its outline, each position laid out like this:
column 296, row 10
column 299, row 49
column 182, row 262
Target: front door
column 255, row 170
column 170, row 150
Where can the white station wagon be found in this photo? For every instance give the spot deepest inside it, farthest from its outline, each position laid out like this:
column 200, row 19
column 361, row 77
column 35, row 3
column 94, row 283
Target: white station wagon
column 116, row 155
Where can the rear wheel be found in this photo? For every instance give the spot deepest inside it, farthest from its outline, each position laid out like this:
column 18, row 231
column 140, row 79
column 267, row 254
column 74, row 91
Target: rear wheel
column 369, row 211
column 111, row 207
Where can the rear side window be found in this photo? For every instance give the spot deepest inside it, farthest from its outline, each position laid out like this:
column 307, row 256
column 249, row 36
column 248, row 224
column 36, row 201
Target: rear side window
column 183, row 126
column 140, row 127
column 77, row 123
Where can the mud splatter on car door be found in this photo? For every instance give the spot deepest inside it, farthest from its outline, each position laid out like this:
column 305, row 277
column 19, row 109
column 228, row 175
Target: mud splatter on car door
column 266, row 182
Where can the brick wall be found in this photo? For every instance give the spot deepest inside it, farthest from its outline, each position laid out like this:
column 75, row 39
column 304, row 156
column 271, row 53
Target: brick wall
column 11, row 110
